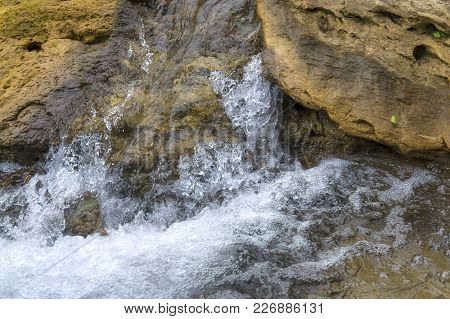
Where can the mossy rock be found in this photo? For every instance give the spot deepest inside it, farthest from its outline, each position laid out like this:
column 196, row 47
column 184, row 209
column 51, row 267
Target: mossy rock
column 88, row 21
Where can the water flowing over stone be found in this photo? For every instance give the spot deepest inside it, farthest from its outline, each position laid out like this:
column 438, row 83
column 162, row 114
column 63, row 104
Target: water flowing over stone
column 176, row 182
column 234, row 229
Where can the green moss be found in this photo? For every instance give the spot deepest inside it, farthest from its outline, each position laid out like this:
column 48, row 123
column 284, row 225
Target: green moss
column 394, row 121
column 24, row 20
column 88, row 21
column 438, row 34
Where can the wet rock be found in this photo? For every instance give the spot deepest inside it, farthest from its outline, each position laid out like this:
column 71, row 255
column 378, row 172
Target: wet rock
column 10, row 215
column 311, row 136
column 16, row 178
column 178, row 109
column 83, row 217
column 389, row 277
column 162, row 103
column 364, row 63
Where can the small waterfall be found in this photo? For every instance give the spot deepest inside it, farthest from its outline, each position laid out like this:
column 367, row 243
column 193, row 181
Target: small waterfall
column 237, row 222
column 216, row 171
column 143, row 55
column 148, row 54
column 251, row 104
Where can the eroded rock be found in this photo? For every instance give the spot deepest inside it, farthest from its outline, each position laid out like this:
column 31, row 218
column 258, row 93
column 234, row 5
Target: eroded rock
column 53, row 55
column 365, row 62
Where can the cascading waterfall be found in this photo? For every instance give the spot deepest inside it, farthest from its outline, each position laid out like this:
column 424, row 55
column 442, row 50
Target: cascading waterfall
column 251, row 104
column 256, row 227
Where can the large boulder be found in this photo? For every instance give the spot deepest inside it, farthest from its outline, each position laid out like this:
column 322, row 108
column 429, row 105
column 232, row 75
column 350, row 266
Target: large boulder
column 380, row 69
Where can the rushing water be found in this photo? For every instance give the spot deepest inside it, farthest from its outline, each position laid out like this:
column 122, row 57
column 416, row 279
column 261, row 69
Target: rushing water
column 238, row 222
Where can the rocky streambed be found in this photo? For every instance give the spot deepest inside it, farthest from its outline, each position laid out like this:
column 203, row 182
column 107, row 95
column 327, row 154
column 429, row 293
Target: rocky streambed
column 224, row 149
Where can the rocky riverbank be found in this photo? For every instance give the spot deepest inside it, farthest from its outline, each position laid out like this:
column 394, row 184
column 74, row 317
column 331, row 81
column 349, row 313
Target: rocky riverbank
column 377, row 71
column 291, row 148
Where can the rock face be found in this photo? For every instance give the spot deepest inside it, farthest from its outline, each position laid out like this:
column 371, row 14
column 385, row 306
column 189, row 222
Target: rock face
column 380, row 69
column 53, row 58
column 137, row 71
column 142, row 84
column 83, row 216
column 163, row 102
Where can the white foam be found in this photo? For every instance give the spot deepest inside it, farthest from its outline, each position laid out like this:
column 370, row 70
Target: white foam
column 249, row 104
column 7, row 167
column 140, row 260
column 228, row 228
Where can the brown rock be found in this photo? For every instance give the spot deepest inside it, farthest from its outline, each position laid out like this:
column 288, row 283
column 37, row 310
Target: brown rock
column 51, row 56
column 365, row 63
column 172, row 106
column 83, row 216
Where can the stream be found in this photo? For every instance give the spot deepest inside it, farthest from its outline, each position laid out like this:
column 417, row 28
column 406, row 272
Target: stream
column 211, row 216
column 238, row 222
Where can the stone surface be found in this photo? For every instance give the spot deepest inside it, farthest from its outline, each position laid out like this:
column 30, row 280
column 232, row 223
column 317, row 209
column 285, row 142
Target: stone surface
column 365, row 62
column 162, row 102
column 83, row 216
column 53, row 58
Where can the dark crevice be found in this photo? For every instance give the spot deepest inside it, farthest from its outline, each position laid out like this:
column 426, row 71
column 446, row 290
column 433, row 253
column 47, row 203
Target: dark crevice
column 90, row 37
column 425, row 28
column 321, row 10
column 421, row 52
column 357, row 18
column 33, row 46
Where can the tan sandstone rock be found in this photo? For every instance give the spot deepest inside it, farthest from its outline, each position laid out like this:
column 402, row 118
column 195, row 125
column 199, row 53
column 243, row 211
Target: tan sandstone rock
column 50, row 57
column 380, row 69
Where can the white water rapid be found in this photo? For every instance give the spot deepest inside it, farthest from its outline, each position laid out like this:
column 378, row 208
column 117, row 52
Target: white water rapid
column 248, row 230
